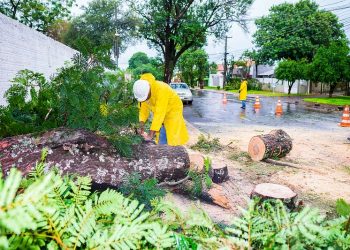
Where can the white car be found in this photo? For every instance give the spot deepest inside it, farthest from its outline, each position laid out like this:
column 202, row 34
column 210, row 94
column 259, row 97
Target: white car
column 183, row 91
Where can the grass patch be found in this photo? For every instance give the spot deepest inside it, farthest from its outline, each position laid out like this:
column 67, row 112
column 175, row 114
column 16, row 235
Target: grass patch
column 338, row 100
column 210, row 87
column 235, row 156
column 207, row 145
column 258, row 170
column 347, row 169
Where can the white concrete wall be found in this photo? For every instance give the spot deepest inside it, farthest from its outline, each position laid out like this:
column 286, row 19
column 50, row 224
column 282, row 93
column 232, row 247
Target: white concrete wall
column 216, row 80
column 299, row 86
column 24, row 48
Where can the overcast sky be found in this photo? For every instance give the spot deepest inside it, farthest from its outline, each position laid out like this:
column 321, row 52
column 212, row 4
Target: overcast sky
column 240, row 40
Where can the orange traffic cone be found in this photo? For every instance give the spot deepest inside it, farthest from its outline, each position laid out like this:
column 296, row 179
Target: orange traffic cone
column 279, row 110
column 257, row 103
column 224, row 100
column 345, row 121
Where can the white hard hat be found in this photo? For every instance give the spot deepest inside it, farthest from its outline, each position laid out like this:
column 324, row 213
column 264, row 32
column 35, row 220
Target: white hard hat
column 141, row 90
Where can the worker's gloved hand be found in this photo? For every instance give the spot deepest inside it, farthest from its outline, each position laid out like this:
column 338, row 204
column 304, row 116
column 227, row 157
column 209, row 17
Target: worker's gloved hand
column 147, row 137
column 140, row 131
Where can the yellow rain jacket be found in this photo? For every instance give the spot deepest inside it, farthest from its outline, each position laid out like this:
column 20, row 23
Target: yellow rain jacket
column 167, row 108
column 243, row 91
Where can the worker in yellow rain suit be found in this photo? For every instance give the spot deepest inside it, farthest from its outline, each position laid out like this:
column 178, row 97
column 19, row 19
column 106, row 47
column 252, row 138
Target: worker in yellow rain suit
column 243, row 92
column 168, row 124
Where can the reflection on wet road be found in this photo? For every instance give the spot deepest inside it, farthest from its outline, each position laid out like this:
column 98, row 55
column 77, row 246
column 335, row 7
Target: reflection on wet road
column 208, row 112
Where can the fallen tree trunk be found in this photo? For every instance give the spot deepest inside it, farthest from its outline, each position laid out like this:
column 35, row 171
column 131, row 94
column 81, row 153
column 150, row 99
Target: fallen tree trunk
column 276, row 144
column 84, row 153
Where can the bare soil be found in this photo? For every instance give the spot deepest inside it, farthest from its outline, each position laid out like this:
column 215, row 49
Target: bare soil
column 323, row 175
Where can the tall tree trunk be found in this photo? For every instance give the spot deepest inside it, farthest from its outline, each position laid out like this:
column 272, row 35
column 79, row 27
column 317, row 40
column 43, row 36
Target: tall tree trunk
column 347, row 89
column 169, row 60
column 290, row 85
column 169, row 66
column 310, row 87
column 332, row 88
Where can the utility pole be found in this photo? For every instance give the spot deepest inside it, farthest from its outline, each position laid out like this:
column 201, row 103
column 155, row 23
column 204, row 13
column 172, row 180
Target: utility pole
column 116, row 37
column 225, row 61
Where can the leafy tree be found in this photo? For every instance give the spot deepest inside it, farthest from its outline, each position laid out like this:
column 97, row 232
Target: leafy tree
column 173, row 27
column 37, row 14
column 140, row 63
column 252, row 55
column 138, row 59
column 81, row 95
column 58, row 30
column 98, row 25
column 193, row 66
column 213, row 68
column 290, row 71
column 331, row 65
column 295, row 31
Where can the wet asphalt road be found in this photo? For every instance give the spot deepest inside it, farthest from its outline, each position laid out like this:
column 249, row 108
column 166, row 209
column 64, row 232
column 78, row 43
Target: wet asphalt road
column 208, row 113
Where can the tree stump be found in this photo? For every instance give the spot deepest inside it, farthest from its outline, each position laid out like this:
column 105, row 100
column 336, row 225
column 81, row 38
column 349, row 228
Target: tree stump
column 218, row 173
column 276, row 144
column 275, row 191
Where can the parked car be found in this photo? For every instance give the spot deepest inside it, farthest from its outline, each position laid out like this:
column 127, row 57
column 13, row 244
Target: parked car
column 183, row 91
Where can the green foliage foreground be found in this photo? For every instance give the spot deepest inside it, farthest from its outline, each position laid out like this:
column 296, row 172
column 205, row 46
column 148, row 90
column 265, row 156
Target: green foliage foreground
column 45, row 210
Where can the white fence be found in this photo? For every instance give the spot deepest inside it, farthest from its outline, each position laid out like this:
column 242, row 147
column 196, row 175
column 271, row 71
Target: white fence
column 24, row 48
column 299, row 86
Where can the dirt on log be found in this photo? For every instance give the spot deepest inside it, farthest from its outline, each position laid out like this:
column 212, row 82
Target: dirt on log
column 276, row 144
column 84, row 153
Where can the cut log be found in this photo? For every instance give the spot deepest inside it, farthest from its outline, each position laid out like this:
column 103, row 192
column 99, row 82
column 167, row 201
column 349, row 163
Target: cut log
column 84, row 153
column 276, row 144
column 196, row 162
column 275, row 191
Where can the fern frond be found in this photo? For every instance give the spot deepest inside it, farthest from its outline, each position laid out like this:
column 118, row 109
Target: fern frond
column 81, row 189
column 83, row 224
column 24, row 210
column 159, row 236
column 108, row 202
column 39, row 169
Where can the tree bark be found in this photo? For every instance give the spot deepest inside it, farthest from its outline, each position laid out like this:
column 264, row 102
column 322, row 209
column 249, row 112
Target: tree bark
column 332, row 88
column 169, row 64
column 290, row 85
column 276, row 144
column 84, row 153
